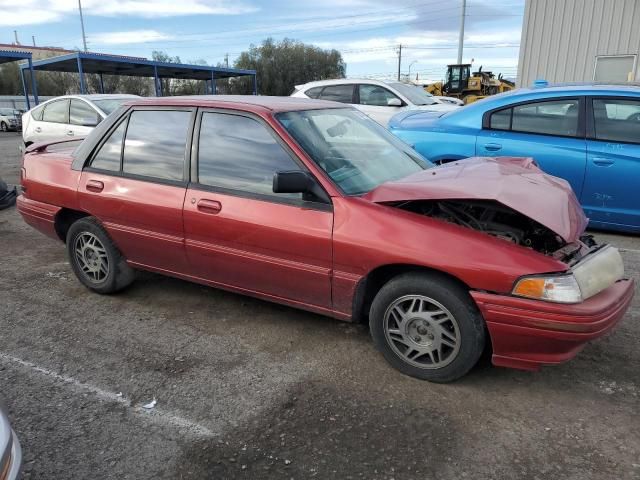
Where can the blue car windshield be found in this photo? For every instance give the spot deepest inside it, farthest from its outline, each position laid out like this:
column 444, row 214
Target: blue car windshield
column 357, row 153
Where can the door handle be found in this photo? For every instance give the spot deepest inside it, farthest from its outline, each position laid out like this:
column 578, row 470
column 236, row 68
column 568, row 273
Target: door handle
column 95, row 186
column 602, row 161
column 38, row 129
column 209, row 206
column 70, row 133
column 492, row 147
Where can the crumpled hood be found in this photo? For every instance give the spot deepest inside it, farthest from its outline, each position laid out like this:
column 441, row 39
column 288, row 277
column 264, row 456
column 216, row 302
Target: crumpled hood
column 515, row 182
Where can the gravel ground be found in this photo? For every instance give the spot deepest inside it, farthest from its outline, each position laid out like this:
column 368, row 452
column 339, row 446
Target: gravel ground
column 247, row 389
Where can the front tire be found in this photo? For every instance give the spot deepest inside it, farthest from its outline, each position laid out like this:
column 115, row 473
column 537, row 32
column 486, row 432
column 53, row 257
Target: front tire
column 95, row 259
column 427, row 326
column 4, row 127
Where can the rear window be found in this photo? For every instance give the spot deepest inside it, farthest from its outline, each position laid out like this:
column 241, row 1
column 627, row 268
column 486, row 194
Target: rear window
column 155, row 144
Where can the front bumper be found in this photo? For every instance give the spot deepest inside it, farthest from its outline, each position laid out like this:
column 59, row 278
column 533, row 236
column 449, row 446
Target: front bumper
column 527, row 334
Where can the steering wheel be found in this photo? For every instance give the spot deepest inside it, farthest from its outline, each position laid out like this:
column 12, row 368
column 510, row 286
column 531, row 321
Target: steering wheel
column 634, row 117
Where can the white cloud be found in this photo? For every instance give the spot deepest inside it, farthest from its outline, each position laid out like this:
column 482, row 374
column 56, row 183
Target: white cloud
column 128, row 37
column 28, row 12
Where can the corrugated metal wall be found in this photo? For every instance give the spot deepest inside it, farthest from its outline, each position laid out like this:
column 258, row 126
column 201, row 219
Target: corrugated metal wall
column 561, row 38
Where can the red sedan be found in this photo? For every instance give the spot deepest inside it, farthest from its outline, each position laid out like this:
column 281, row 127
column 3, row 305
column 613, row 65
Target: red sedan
column 314, row 205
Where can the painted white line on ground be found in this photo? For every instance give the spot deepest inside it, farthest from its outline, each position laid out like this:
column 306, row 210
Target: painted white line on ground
column 633, row 250
column 156, row 415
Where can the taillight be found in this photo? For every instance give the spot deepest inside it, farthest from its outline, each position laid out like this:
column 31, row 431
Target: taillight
column 23, row 178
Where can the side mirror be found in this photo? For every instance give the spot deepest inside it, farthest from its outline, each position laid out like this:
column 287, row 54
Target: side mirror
column 394, row 102
column 297, row 181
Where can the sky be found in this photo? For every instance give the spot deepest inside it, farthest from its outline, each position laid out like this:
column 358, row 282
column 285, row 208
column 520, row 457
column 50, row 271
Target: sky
column 367, row 32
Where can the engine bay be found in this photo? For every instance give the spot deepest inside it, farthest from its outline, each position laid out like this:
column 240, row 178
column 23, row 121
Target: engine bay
column 492, row 218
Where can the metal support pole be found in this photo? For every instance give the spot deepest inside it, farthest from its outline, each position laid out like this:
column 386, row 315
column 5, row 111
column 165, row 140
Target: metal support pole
column 81, row 74
column 84, row 38
column 24, row 88
column 214, row 87
column 399, row 60
column 255, row 84
column 34, row 86
column 157, row 82
column 461, row 38
column 101, row 84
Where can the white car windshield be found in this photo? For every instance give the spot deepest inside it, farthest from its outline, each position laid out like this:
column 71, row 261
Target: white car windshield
column 109, row 105
column 356, row 152
column 416, row 95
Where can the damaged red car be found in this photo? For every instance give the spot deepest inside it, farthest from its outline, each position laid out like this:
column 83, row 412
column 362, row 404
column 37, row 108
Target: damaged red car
column 314, row 205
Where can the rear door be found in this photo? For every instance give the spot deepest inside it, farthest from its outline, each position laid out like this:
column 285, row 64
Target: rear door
column 374, row 101
column 135, row 185
column 82, row 118
column 550, row 131
column 54, row 123
column 611, row 195
column 238, row 232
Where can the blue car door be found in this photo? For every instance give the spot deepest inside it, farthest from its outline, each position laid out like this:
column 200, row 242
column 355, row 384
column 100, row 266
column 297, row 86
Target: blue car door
column 550, row 131
column 611, row 193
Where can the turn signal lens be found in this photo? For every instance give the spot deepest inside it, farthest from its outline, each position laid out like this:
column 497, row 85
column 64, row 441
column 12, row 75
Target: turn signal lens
column 561, row 289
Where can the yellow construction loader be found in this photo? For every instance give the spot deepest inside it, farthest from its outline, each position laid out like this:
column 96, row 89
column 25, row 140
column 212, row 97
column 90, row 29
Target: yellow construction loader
column 467, row 86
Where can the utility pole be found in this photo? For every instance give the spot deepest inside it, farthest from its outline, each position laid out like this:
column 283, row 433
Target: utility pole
column 461, row 38
column 15, row 34
column 84, row 37
column 399, row 59
column 226, row 59
column 33, row 38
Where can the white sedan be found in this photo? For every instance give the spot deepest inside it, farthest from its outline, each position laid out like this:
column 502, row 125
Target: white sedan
column 379, row 100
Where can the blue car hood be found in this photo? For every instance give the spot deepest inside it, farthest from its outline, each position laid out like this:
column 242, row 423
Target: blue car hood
column 412, row 119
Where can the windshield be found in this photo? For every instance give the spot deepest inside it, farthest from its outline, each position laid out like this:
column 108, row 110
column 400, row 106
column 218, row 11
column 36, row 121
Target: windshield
column 109, row 105
column 356, row 152
column 415, row 95
column 10, row 112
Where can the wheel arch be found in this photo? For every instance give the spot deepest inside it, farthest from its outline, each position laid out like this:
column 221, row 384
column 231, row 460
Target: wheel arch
column 370, row 285
column 64, row 219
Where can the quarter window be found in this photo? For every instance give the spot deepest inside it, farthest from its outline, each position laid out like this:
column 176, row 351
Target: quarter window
column 501, row 120
column 313, row 92
column 239, row 153
column 36, row 113
column 108, row 157
column 338, row 93
column 617, row 120
column 82, row 114
column 155, row 144
column 56, row 112
column 375, row 95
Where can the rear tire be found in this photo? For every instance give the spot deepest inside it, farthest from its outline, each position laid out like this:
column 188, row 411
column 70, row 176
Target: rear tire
column 427, row 326
column 95, row 259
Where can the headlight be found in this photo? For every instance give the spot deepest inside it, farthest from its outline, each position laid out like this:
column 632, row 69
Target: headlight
column 561, row 289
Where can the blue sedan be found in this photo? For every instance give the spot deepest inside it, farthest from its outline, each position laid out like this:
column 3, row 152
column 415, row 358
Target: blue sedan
column 587, row 134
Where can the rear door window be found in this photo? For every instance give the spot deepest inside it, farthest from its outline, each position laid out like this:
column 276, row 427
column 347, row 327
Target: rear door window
column 616, row 120
column 338, row 93
column 155, row 144
column 56, row 112
column 548, row 118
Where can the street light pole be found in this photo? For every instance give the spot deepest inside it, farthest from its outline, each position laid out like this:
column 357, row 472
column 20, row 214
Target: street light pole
column 461, row 38
column 84, row 38
column 415, row 61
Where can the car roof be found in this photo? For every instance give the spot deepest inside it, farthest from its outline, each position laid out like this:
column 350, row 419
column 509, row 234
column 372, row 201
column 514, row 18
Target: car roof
column 241, row 102
column 342, row 81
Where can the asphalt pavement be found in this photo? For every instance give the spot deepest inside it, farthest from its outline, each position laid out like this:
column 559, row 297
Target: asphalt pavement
column 249, row 389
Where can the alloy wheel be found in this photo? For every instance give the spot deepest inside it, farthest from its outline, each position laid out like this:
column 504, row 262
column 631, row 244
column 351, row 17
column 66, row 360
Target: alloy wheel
column 422, row 332
column 91, row 257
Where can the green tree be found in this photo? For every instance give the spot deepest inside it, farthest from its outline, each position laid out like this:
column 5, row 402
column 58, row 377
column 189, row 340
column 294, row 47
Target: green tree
column 280, row 66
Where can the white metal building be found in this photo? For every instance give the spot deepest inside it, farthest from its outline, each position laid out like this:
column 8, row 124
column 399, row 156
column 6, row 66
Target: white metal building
column 580, row 41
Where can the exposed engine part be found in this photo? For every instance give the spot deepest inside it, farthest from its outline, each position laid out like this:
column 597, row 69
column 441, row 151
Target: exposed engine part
column 492, row 218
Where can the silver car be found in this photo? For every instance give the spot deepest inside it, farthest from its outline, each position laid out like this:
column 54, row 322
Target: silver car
column 10, row 451
column 10, row 119
column 68, row 116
